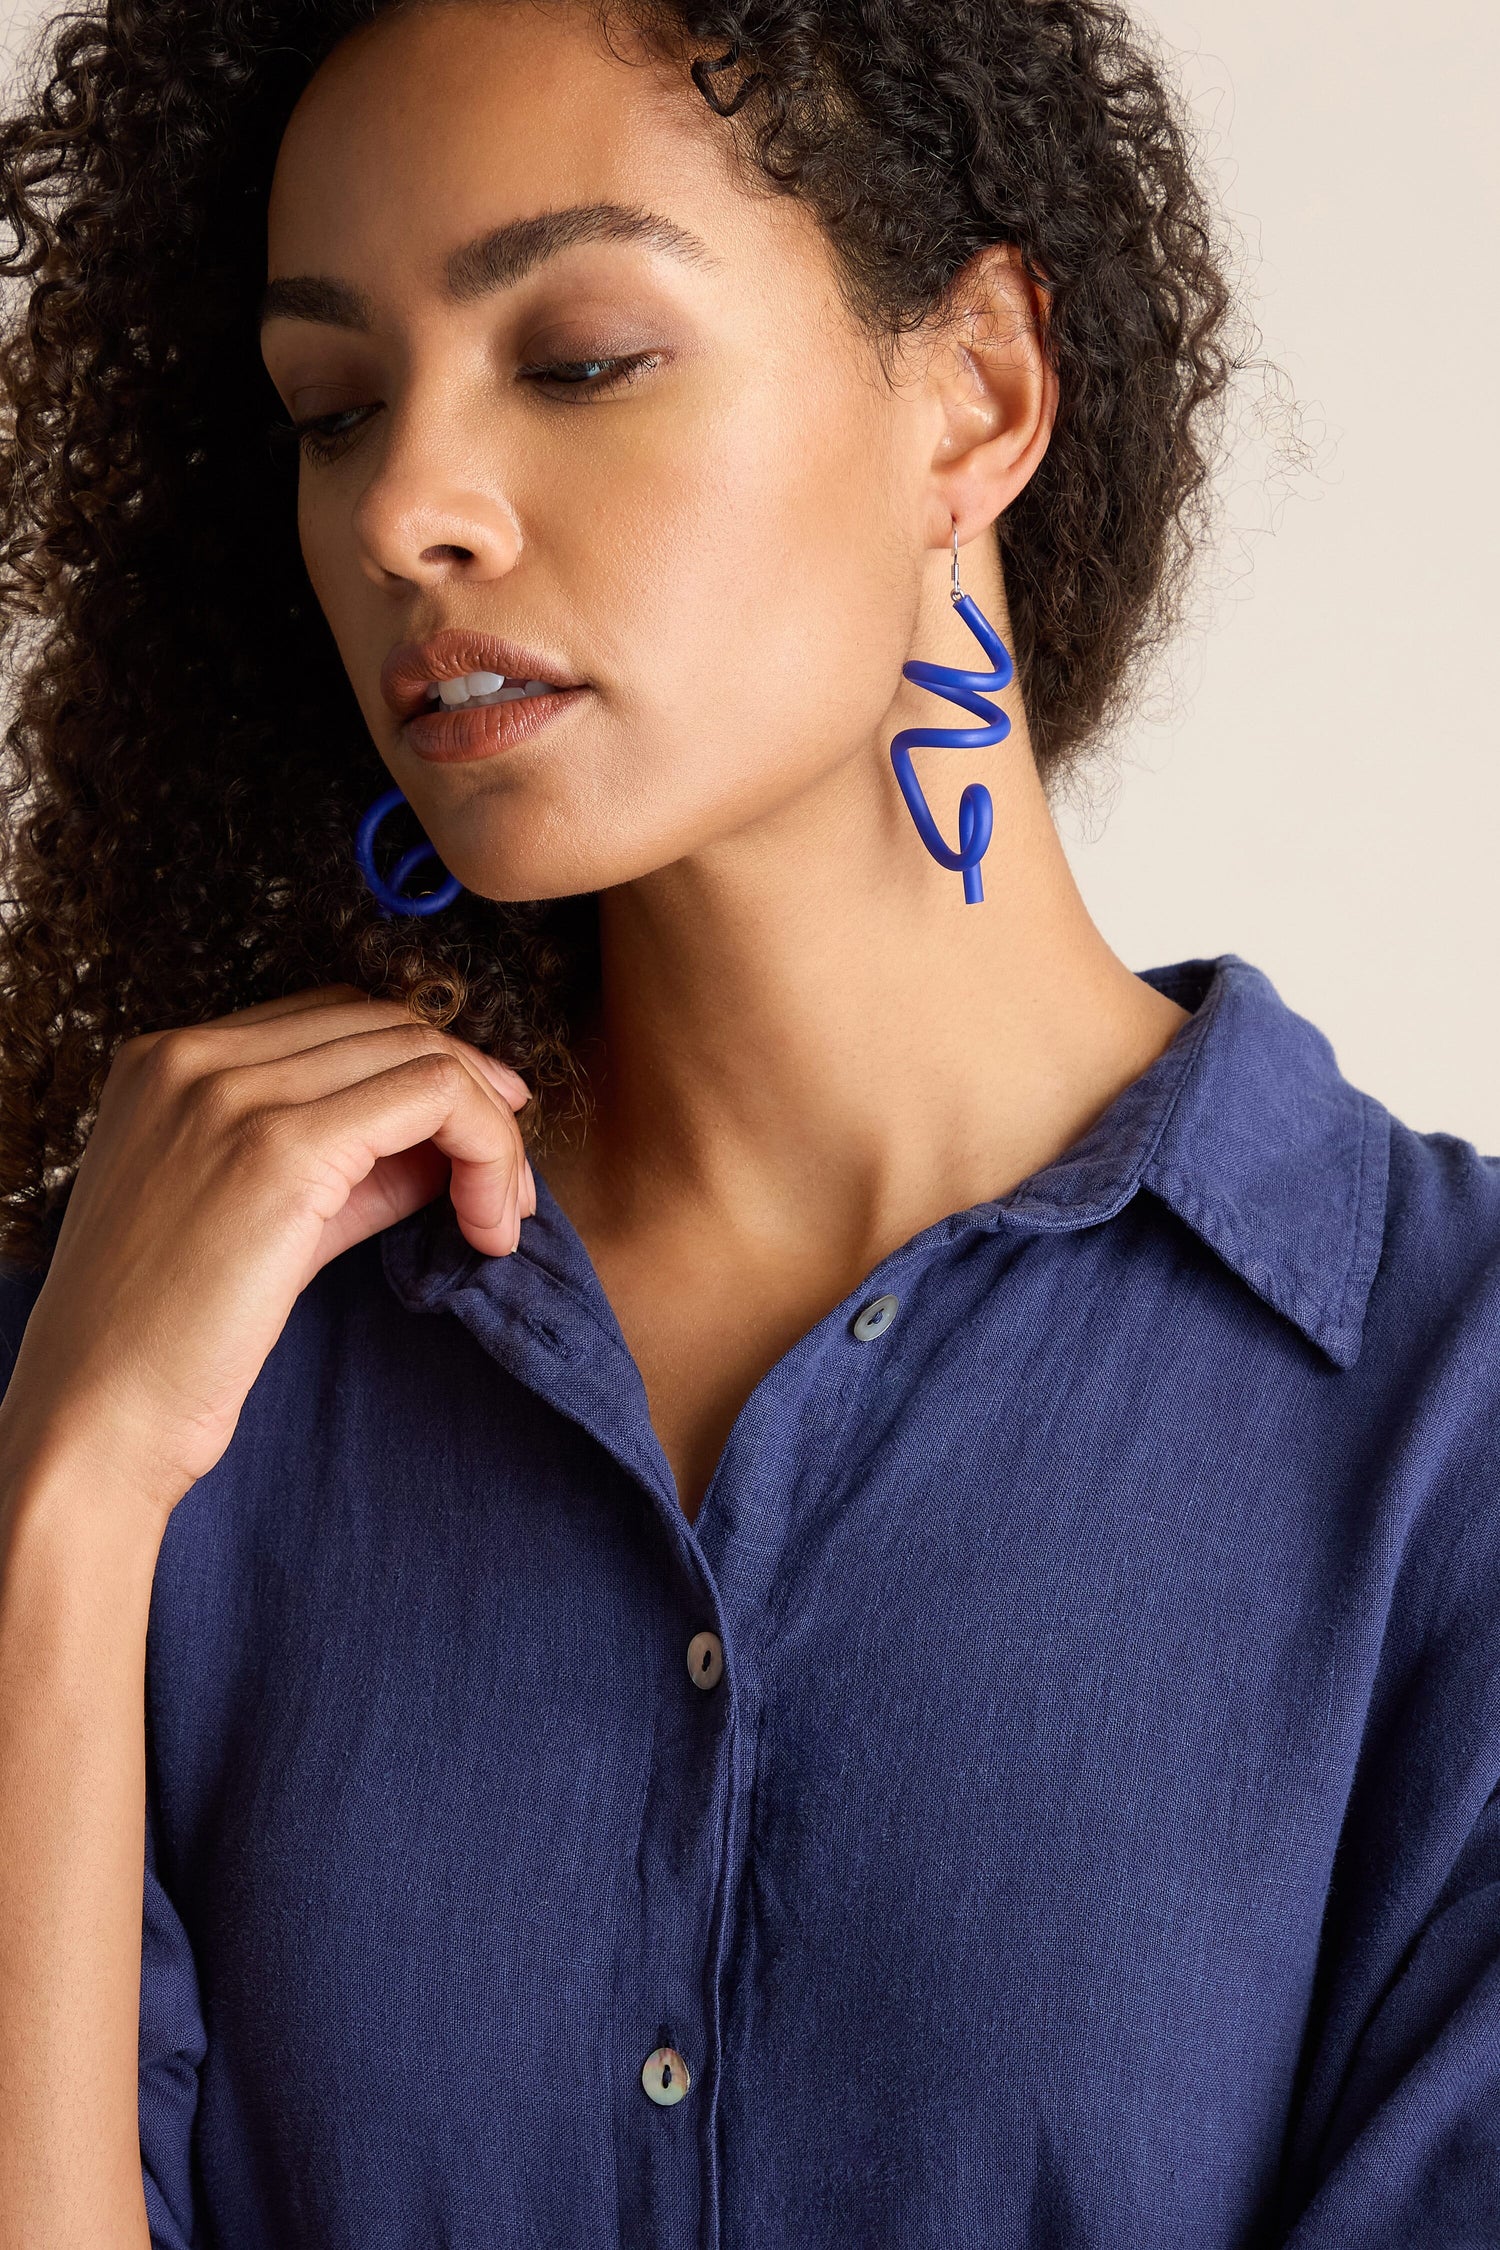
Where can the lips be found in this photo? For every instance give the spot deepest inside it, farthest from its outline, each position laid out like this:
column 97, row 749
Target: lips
column 408, row 670
column 483, row 730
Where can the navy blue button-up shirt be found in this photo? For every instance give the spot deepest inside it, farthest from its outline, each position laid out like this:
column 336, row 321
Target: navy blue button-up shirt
column 1090, row 1842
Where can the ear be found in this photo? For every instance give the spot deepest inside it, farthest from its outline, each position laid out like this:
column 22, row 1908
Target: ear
column 994, row 389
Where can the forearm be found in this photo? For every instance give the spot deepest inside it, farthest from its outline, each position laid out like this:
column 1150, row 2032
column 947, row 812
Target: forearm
column 77, row 1557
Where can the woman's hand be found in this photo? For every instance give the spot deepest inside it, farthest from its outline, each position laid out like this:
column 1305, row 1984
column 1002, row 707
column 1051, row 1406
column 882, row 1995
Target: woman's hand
column 229, row 1162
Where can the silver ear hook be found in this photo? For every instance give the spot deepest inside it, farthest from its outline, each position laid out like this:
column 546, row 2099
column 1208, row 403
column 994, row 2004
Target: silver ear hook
column 955, row 589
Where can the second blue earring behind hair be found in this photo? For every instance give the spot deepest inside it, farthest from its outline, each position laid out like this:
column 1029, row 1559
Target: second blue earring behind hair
column 976, row 811
column 387, row 888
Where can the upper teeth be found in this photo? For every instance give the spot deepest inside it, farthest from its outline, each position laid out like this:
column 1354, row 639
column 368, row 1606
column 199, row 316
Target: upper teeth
column 483, row 687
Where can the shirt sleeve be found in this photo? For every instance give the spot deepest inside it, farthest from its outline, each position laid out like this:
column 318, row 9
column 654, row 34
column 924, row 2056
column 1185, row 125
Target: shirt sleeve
column 173, row 2043
column 1411, row 2150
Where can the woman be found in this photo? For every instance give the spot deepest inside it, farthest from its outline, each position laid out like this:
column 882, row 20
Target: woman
column 895, row 1644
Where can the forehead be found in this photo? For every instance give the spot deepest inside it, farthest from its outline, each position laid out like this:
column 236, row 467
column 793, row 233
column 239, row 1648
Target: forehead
column 441, row 118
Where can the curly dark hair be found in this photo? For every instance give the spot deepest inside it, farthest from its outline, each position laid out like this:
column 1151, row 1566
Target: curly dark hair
column 171, row 853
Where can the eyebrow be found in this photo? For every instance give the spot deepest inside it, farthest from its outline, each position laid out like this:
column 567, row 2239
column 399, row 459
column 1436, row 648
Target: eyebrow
column 494, row 260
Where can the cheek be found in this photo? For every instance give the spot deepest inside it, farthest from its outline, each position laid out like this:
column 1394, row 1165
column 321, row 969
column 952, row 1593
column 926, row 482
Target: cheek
column 760, row 686
column 760, row 610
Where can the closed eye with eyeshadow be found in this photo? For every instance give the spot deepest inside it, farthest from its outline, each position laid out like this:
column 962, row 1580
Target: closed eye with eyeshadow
column 320, row 438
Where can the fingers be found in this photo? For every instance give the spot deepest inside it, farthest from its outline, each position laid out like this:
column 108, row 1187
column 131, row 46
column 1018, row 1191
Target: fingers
column 334, row 1059
column 302, row 1022
column 434, row 1097
column 311, row 1073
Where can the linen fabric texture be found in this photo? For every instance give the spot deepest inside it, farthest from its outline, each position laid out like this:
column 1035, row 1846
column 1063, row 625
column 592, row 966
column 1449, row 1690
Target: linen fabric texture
column 1092, row 1842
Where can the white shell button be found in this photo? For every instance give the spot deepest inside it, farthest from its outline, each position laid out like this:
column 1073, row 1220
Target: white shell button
column 876, row 1318
column 664, row 2075
column 705, row 1660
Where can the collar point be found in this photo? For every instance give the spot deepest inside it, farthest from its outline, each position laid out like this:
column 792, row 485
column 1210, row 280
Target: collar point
column 1340, row 1339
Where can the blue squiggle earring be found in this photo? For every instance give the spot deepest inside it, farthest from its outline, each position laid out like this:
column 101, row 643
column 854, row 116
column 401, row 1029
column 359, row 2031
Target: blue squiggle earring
column 976, row 811
column 388, row 889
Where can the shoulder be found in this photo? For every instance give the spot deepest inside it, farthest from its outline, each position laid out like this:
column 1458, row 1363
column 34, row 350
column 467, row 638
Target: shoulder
column 1442, row 1174
column 1430, row 1353
column 1442, row 1219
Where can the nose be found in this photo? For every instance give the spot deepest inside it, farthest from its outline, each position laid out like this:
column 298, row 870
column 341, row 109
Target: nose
column 429, row 512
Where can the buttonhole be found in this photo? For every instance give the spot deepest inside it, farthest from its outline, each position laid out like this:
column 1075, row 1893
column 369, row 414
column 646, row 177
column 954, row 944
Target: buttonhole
column 548, row 1336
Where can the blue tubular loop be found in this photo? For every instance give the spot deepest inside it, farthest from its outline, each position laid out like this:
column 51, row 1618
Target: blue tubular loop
column 388, row 889
column 976, row 811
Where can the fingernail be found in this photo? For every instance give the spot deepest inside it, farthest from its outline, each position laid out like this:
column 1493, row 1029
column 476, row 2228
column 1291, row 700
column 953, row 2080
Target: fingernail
column 508, row 1080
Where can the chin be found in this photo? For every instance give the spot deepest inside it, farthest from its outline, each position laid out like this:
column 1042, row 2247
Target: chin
column 519, row 875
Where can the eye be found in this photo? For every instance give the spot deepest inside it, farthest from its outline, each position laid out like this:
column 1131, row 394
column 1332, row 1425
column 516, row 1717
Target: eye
column 318, row 437
column 322, row 437
column 623, row 369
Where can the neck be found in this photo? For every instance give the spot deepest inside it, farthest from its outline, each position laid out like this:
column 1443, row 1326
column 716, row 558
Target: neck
column 807, row 1026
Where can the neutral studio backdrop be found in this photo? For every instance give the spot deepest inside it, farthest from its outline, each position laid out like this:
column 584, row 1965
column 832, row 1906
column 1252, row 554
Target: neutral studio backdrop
column 1316, row 782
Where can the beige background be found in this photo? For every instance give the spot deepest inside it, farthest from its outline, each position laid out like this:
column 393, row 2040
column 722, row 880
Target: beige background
column 1326, row 800
column 1322, row 793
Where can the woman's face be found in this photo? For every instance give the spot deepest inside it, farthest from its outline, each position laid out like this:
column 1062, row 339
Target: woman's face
column 725, row 545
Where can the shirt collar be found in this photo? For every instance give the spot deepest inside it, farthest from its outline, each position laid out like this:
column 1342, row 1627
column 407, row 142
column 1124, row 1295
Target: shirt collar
column 1244, row 1127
